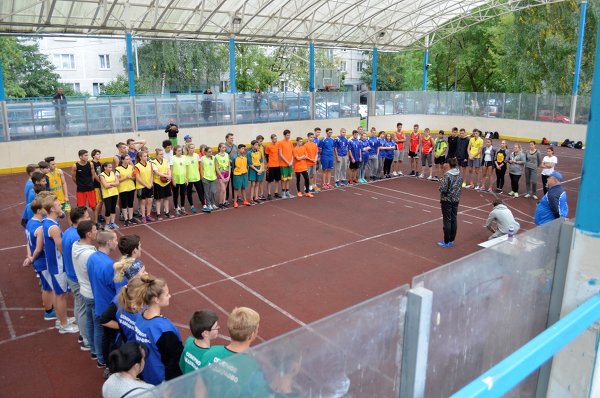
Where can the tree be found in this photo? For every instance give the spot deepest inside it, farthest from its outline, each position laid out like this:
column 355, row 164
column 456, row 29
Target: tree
column 27, row 72
column 395, row 71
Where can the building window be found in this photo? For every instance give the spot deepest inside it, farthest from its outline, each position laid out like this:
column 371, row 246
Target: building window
column 104, row 61
column 359, row 66
column 73, row 86
column 97, row 89
column 343, row 66
column 64, row 61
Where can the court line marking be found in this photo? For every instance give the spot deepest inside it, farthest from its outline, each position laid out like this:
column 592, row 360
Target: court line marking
column 7, row 319
column 12, row 247
column 229, row 277
column 11, row 206
column 468, row 222
column 28, row 335
column 426, row 211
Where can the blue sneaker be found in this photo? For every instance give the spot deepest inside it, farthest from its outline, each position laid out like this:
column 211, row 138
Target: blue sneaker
column 450, row 244
column 442, row 244
column 194, row 209
column 337, row 184
column 49, row 316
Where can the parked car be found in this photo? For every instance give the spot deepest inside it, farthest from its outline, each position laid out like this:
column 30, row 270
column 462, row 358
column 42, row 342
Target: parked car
column 546, row 116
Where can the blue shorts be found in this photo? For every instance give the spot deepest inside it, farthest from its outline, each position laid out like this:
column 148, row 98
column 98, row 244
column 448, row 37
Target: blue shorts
column 327, row 163
column 253, row 175
column 59, row 283
column 45, row 280
column 474, row 162
column 240, row 182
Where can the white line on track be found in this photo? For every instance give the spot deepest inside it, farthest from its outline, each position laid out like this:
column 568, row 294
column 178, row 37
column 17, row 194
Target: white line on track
column 468, row 222
column 28, row 334
column 426, row 211
column 12, row 247
column 11, row 206
column 9, row 324
column 410, row 207
column 358, row 193
column 229, row 277
column 390, row 202
column 374, row 197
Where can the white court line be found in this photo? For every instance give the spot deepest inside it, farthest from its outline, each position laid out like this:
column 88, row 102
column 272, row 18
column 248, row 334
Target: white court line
column 390, row 202
column 426, row 211
column 12, row 247
column 468, row 222
column 410, row 207
column 228, row 277
column 358, row 193
column 374, row 197
column 11, row 206
column 331, row 249
column 9, row 324
column 28, row 334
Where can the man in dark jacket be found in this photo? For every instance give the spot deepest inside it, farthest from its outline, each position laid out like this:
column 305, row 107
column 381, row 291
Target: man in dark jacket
column 554, row 203
column 172, row 130
column 60, row 109
column 450, row 190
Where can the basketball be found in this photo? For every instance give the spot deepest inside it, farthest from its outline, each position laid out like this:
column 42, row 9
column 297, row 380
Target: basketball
column 173, row 128
column 164, row 179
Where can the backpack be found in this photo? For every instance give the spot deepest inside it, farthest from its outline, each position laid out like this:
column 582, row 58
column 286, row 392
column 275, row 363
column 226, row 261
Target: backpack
column 565, row 143
column 545, row 141
column 496, row 135
column 578, row 145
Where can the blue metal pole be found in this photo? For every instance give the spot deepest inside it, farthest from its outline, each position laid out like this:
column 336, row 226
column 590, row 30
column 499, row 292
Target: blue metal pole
column 311, row 67
column 374, row 71
column 131, row 77
column 425, row 64
column 232, row 88
column 579, row 47
column 589, row 189
column 2, row 95
column 516, row 367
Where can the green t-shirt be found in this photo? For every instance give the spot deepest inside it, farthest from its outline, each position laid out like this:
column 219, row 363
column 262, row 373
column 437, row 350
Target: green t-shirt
column 191, row 356
column 222, row 161
column 192, row 167
column 179, row 168
column 229, row 375
column 208, row 168
column 440, row 147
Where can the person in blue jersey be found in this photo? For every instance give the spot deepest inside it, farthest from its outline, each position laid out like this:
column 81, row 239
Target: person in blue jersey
column 373, row 158
column 36, row 256
column 204, row 326
column 54, row 262
column 386, row 151
column 101, row 273
column 365, row 149
column 231, row 375
column 380, row 155
column 158, row 333
column 38, row 180
column 354, row 155
column 340, row 150
column 27, row 190
column 70, row 236
column 326, row 154
column 553, row 204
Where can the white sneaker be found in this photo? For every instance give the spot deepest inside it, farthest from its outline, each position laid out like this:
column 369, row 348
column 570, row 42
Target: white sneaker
column 395, row 174
column 516, row 195
column 214, row 207
column 70, row 328
column 430, row 178
column 70, row 321
column 535, row 197
column 422, row 175
column 400, row 173
column 527, row 195
column 511, row 193
column 477, row 187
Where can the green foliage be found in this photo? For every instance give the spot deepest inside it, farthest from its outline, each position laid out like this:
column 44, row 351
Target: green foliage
column 528, row 51
column 27, row 72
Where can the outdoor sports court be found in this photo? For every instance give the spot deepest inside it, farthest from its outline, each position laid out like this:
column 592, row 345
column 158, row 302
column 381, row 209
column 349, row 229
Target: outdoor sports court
column 294, row 261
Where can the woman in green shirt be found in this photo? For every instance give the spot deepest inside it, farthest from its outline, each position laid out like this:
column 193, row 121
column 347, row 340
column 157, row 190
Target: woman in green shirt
column 179, row 165
column 223, row 174
column 193, row 175
column 208, row 166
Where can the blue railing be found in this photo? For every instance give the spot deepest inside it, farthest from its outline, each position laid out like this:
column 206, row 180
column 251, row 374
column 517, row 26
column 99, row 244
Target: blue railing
column 511, row 371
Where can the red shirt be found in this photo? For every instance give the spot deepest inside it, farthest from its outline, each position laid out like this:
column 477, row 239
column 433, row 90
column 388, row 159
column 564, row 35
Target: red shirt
column 400, row 145
column 414, row 141
column 427, row 145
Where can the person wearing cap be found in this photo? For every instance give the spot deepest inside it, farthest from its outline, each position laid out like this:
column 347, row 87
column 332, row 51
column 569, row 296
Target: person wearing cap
column 187, row 139
column 504, row 220
column 554, row 203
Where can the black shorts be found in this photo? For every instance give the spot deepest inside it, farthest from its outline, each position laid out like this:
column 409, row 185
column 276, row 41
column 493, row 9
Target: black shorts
column 127, row 199
column 274, row 174
column 162, row 192
column 439, row 160
column 488, row 164
column 413, row 155
column 144, row 193
column 354, row 166
column 462, row 162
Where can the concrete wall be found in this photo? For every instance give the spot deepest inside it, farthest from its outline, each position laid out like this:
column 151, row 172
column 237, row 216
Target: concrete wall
column 17, row 154
column 506, row 127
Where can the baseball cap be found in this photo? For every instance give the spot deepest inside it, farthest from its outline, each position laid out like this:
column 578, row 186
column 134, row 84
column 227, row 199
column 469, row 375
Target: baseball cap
column 556, row 175
column 187, row 137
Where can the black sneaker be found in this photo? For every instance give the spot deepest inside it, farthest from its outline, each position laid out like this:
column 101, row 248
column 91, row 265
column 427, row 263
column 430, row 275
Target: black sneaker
column 100, row 365
column 262, row 198
column 93, row 356
column 276, row 195
column 84, row 347
column 126, row 223
column 269, row 197
column 80, row 339
column 101, row 219
column 134, row 221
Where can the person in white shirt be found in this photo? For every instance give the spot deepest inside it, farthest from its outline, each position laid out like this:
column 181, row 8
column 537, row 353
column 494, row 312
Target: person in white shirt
column 548, row 163
column 504, row 220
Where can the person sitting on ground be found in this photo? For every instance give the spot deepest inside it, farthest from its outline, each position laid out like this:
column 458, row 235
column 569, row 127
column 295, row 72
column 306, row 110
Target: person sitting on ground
column 554, row 203
column 125, row 364
column 204, row 326
column 504, row 220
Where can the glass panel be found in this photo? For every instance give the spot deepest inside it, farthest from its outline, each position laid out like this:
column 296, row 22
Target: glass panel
column 356, row 352
column 146, row 114
column 583, row 109
column 487, row 305
column 527, row 111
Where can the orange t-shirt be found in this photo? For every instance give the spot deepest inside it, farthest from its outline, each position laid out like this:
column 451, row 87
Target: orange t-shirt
column 400, row 145
column 272, row 151
column 311, row 151
column 299, row 165
column 287, row 149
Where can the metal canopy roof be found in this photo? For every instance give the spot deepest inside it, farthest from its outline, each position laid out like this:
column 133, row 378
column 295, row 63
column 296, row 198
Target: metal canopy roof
column 390, row 25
